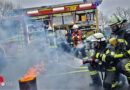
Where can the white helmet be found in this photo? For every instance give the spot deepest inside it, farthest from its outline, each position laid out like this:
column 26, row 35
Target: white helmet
column 49, row 28
column 75, row 26
column 114, row 20
column 98, row 37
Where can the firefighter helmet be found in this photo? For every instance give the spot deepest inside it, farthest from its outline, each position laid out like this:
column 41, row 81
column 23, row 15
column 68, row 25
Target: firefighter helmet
column 49, row 28
column 114, row 20
column 98, row 37
column 99, row 41
column 75, row 26
column 115, row 23
column 113, row 41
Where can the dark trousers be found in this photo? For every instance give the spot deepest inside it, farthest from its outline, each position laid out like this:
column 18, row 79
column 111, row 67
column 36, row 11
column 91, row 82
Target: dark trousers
column 94, row 74
column 124, row 67
column 110, row 78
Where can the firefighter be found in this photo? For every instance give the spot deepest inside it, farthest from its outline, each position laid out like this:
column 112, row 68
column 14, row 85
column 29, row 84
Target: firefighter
column 76, row 35
column 119, row 28
column 52, row 43
column 103, row 62
column 121, row 52
column 97, row 39
column 51, row 38
column 110, row 59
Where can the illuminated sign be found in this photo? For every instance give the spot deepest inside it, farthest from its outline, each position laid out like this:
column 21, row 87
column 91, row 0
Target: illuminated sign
column 71, row 8
column 32, row 11
column 85, row 5
column 58, row 9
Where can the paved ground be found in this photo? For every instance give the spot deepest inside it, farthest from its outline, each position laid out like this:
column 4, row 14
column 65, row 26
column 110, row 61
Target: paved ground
column 59, row 76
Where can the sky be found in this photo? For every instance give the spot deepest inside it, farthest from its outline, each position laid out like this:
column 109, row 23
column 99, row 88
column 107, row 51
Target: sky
column 107, row 6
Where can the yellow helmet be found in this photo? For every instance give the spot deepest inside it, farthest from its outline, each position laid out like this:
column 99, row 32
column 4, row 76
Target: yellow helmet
column 113, row 41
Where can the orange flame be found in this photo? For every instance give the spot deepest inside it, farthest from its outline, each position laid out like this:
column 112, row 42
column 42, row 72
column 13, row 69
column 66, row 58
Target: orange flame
column 33, row 72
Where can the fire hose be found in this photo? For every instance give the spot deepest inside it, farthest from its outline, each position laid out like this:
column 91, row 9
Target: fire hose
column 94, row 62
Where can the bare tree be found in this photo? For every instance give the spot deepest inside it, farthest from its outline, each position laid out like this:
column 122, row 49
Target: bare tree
column 6, row 7
column 123, row 13
column 103, row 20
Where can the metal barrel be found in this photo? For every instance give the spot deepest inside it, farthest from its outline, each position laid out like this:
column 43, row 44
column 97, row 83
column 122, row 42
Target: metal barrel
column 28, row 85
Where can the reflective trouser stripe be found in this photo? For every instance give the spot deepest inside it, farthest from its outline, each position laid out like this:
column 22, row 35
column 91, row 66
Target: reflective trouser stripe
column 52, row 46
column 128, row 52
column 127, row 67
column 115, row 84
column 93, row 72
column 118, row 55
column 112, row 69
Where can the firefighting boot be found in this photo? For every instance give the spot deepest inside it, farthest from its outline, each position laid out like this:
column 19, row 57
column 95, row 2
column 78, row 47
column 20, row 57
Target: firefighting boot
column 96, row 80
column 94, row 74
column 122, row 81
column 128, row 79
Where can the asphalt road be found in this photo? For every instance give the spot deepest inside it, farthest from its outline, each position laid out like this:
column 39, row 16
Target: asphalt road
column 60, row 75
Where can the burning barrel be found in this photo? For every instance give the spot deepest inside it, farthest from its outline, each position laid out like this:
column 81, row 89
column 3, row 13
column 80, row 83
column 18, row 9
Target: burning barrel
column 28, row 83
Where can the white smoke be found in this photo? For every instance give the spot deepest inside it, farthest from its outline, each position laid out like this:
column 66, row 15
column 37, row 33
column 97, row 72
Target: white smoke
column 61, row 66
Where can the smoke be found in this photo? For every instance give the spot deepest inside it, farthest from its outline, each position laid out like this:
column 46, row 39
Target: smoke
column 60, row 65
column 56, row 60
column 25, row 42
